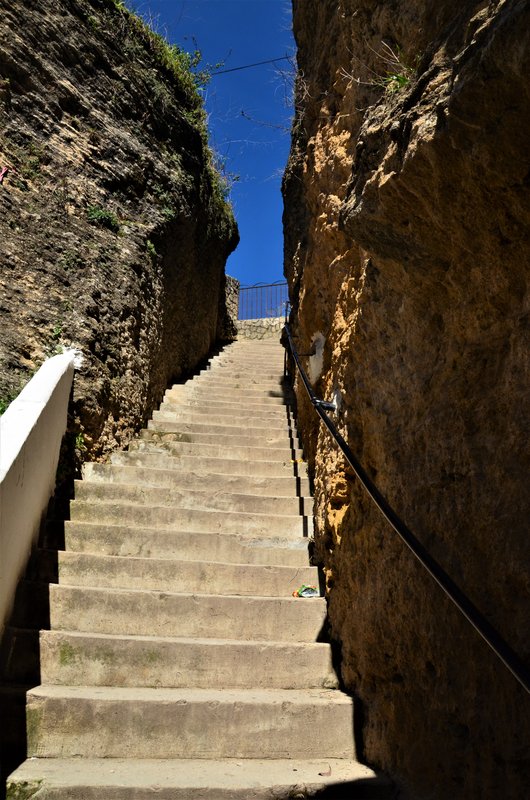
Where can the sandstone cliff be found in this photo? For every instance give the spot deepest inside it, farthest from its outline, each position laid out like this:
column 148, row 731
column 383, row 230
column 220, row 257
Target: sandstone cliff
column 114, row 230
column 406, row 249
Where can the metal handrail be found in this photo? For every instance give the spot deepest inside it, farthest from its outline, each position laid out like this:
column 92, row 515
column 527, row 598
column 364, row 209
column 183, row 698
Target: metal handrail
column 501, row 649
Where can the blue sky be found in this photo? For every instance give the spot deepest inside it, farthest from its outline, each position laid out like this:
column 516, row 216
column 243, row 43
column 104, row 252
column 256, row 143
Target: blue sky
column 249, row 110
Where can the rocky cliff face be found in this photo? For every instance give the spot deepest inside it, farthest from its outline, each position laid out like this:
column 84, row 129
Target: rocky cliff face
column 114, row 230
column 407, row 248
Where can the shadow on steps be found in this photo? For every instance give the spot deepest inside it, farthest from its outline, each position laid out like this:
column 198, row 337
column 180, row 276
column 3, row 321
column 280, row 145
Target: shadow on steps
column 379, row 788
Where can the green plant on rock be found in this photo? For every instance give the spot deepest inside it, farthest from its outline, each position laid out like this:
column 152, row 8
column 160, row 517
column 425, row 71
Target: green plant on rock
column 57, row 331
column 188, row 77
column 6, row 401
column 151, row 249
column 104, row 218
column 80, row 443
column 397, row 75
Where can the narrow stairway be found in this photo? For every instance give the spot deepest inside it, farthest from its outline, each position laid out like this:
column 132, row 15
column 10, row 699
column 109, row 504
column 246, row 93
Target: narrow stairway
column 178, row 663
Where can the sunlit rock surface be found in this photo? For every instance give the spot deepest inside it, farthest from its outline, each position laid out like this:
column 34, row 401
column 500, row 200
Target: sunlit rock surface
column 407, row 248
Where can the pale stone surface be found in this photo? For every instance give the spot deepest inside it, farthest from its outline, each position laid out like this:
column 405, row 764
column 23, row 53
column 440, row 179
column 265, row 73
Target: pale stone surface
column 231, row 779
column 175, row 636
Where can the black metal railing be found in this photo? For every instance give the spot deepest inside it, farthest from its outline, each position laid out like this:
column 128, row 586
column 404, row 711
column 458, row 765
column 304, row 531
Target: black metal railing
column 263, row 300
column 510, row 659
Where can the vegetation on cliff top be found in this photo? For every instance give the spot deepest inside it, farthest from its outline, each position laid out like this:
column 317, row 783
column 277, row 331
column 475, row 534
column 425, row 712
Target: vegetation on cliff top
column 190, row 78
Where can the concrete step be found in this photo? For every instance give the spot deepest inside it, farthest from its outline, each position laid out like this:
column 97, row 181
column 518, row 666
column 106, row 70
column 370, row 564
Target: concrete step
column 161, row 458
column 229, row 372
column 229, row 426
column 235, row 387
column 167, row 423
column 209, row 407
column 200, row 779
column 169, row 441
column 252, row 359
column 86, row 659
column 85, row 537
column 188, row 519
column 112, row 722
column 146, row 613
column 274, row 378
column 184, row 478
column 273, row 401
column 175, row 575
column 198, row 498
column 242, row 386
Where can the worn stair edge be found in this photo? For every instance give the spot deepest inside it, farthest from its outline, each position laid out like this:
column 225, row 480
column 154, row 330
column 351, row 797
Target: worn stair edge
column 190, row 519
column 206, row 465
column 171, row 441
column 143, row 612
column 209, row 404
column 230, row 427
column 282, row 486
column 205, row 779
column 173, row 575
column 152, row 542
column 88, row 659
column 197, row 498
column 119, row 722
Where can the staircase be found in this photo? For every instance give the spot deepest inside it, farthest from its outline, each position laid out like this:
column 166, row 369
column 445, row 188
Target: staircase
column 178, row 664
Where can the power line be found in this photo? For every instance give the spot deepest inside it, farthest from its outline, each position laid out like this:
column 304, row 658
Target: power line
column 248, row 66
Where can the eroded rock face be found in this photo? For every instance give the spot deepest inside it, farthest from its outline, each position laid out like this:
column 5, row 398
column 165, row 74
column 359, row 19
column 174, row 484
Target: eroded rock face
column 407, row 248
column 113, row 230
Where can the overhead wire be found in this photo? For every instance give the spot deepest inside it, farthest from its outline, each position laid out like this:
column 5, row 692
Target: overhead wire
column 248, row 66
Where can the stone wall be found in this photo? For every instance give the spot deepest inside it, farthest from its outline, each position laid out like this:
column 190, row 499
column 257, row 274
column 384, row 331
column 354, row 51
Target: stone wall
column 114, row 230
column 406, row 249
column 266, row 328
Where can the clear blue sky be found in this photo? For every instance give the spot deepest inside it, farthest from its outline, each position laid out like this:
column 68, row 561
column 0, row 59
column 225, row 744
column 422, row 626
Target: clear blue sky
column 249, row 110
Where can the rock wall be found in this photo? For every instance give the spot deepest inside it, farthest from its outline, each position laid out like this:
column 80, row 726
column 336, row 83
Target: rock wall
column 407, row 211
column 114, row 230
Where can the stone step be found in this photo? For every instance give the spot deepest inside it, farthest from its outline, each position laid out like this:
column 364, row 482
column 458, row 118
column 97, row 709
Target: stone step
column 169, row 441
column 140, row 612
column 163, row 459
column 198, row 498
column 268, row 358
column 272, row 401
column 184, row 478
column 237, row 387
column 228, row 414
column 253, row 380
column 230, row 427
column 272, row 376
column 197, row 398
column 116, row 722
column 174, row 575
column 155, row 543
column 187, row 519
column 200, row 779
column 241, row 386
column 167, row 423
column 86, row 659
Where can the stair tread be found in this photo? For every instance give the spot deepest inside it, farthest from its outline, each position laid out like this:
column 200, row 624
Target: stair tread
column 261, row 644
column 154, row 774
column 163, row 695
column 286, row 599
column 117, row 611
